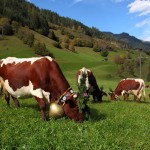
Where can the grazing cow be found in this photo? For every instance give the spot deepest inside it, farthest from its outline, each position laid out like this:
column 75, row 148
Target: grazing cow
column 127, row 86
column 91, row 84
column 41, row 78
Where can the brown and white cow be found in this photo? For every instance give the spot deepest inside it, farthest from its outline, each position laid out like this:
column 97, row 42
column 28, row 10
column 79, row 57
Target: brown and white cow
column 91, row 84
column 129, row 86
column 42, row 78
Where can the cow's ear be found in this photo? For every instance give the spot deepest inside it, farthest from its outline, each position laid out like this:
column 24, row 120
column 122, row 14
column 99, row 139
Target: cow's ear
column 109, row 93
column 110, row 89
column 102, row 88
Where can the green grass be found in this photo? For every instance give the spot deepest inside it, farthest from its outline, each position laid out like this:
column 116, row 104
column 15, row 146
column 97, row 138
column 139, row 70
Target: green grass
column 12, row 46
column 113, row 125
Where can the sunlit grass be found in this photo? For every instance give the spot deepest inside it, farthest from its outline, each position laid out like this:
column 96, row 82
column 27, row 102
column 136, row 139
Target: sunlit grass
column 113, row 124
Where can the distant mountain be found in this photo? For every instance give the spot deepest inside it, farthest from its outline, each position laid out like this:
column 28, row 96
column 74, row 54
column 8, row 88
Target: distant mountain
column 134, row 42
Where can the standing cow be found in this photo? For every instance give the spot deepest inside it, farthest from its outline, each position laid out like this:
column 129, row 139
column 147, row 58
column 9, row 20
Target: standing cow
column 91, row 84
column 41, row 78
column 127, row 86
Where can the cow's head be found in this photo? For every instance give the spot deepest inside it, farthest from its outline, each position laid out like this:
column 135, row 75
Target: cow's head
column 72, row 111
column 70, row 106
column 112, row 94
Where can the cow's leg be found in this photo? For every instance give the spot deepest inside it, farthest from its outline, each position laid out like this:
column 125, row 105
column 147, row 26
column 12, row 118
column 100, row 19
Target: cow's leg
column 124, row 96
column 135, row 97
column 127, row 96
column 42, row 106
column 7, row 98
column 139, row 97
column 94, row 97
column 16, row 102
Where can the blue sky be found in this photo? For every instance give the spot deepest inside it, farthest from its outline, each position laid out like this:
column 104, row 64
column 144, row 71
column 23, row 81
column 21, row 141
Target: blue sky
column 116, row 16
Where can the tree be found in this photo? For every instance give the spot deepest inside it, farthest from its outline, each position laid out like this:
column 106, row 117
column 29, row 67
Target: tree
column 130, row 66
column 26, row 36
column 118, row 60
column 40, row 49
column 66, row 39
column 52, row 36
column 104, row 53
column 120, row 71
column 71, row 46
column 5, row 27
column 15, row 26
column 96, row 47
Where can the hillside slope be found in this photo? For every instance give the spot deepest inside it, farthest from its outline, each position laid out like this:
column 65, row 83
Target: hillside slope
column 104, row 71
column 46, row 21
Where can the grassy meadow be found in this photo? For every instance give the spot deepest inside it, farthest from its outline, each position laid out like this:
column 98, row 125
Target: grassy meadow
column 113, row 124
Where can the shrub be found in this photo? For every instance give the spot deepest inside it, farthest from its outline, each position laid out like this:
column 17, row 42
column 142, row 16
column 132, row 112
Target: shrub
column 52, row 36
column 104, row 53
column 65, row 45
column 26, row 36
column 57, row 45
column 6, row 28
column 40, row 49
column 118, row 60
column 71, row 47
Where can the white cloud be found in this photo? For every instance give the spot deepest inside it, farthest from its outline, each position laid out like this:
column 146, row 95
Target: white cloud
column 142, row 7
column 85, row 1
column 117, row 1
column 76, row 1
column 146, row 35
column 145, row 22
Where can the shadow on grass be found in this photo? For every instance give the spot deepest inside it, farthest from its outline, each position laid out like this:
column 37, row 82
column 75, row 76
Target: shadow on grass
column 133, row 101
column 34, row 106
column 97, row 102
column 96, row 116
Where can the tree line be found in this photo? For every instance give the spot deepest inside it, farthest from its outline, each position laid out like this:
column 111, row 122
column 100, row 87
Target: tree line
column 27, row 14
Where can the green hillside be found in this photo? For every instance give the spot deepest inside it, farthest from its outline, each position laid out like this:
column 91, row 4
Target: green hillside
column 113, row 125
column 70, row 62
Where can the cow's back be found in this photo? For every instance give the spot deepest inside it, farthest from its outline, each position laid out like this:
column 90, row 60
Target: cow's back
column 129, row 84
column 31, row 76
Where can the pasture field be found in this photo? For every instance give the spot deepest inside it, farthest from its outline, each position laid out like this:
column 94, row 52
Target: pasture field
column 113, row 124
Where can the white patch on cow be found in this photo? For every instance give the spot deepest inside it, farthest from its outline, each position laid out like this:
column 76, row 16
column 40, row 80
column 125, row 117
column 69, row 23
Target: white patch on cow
column 49, row 58
column 116, row 96
column 46, row 95
column 123, row 92
column 10, row 60
column 26, row 91
column 84, row 71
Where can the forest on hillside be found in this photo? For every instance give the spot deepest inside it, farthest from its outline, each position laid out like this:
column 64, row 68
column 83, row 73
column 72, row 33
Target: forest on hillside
column 27, row 14
column 16, row 13
column 37, row 19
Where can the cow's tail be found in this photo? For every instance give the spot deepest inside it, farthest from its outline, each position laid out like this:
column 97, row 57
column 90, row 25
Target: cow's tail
column 1, row 86
column 144, row 91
